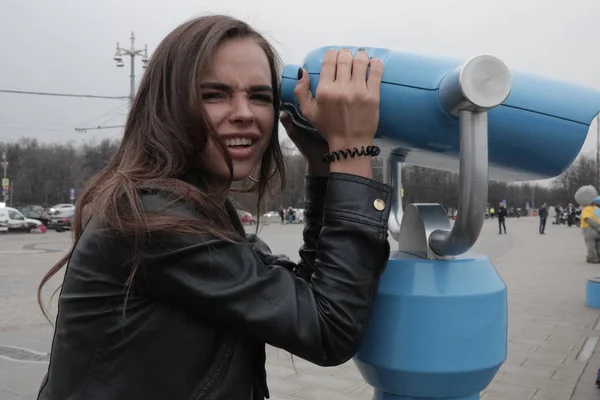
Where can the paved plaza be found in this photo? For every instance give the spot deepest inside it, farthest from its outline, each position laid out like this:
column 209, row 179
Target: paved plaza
column 552, row 352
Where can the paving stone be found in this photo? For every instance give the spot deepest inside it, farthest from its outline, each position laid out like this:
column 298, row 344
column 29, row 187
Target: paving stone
column 543, row 394
column 320, row 393
column 547, row 373
column 497, row 396
column 548, row 320
column 537, row 383
column 507, row 389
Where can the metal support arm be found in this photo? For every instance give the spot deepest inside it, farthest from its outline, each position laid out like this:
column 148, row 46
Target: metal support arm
column 468, row 92
column 393, row 176
column 478, row 85
column 473, row 184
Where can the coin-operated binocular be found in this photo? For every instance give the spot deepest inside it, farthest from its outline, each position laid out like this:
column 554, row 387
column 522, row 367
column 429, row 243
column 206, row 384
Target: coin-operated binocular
column 438, row 328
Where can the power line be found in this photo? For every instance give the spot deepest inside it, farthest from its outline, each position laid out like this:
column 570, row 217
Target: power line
column 110, row 117
column 99, row 127
column 36, row 128
column 113, row 113
column 89, row 96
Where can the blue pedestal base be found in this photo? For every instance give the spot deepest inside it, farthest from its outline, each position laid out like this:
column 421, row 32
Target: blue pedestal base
column 438, row 329
column 592, row 292
column 379, row 395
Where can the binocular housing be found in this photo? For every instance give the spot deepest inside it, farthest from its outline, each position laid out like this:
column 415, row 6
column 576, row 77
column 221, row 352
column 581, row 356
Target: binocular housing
column 537, row 126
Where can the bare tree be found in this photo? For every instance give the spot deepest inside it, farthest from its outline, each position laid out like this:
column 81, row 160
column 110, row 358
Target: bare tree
column 45, row 173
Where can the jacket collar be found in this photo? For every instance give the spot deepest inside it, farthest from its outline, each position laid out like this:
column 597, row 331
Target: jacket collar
column 228, row 207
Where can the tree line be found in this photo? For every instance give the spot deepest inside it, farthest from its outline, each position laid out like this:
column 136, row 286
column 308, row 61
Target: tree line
column 44, row 174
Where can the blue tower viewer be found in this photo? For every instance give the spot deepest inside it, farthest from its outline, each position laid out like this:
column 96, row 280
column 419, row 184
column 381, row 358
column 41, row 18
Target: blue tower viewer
column 438, row 328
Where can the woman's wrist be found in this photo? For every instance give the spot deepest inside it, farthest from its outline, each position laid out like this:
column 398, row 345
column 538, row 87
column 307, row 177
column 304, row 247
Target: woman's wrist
column 361, row 166
column 350, row 144
column 358, row 165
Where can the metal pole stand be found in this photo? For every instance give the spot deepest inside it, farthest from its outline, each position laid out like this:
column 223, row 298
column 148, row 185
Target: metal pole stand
column 438, row 328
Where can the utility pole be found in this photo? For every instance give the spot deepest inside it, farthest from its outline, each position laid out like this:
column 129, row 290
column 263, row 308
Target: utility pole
column 132, row 52
column 5, row 184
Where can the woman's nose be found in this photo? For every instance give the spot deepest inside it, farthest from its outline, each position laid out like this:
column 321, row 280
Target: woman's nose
column 241, row 111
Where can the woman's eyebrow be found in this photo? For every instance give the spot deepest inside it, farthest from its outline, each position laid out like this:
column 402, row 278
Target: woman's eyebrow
column 226, row 88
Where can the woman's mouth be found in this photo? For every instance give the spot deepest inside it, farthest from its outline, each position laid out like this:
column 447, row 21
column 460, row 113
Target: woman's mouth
column 239, row 142
column 241, row 147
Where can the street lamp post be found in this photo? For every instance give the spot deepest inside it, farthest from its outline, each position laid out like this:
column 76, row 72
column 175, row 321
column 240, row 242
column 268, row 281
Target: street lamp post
column 5, row 167
column 131, row 52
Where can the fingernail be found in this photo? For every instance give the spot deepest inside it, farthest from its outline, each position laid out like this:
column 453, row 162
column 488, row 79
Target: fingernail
column 300, row 73
column 361, row 49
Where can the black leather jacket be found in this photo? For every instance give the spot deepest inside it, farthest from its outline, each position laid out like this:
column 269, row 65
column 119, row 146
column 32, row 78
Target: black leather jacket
column 196, row 325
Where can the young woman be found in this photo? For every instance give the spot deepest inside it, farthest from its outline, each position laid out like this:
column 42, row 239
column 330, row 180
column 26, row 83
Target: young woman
column 165, row 296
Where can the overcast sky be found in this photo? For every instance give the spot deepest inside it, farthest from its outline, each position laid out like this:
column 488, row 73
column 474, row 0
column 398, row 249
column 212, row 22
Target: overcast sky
column 68, row 45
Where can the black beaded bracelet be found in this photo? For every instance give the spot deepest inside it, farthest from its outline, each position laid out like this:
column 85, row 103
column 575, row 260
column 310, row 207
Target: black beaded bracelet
column 372, row 151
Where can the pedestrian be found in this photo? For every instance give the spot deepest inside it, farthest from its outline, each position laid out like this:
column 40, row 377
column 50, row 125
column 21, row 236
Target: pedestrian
column 571, row 213
column 165, row 296
column 501, row 214
column 558, row 211
column 543, row 214
column 290, row 215
column 586, row 196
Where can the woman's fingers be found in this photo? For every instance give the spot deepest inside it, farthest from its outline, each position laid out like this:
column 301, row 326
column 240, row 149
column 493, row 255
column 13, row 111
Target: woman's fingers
column 344, row 66
column 286, row 120
column 328, row 66
column 304, row 95
column 359, row 68
column 375, row 75
column 346, row 108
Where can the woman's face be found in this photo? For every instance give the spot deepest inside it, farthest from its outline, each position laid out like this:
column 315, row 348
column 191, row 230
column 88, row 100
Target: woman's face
column 238, row 98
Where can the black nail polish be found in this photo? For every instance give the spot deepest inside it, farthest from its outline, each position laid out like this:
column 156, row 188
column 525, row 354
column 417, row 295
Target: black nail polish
column 361, row 49
column 300, row 73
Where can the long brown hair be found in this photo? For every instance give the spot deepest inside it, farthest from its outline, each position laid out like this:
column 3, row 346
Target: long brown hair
column 166, row 130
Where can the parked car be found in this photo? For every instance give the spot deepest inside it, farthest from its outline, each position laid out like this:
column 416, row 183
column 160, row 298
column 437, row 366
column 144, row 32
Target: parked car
column 62, row 221
column 246, row 217
column 16, row 221
column 3, row 225
column 3, row 220
column 58, row 208
column 271, row 217
column 34, row 207
column 43, row 217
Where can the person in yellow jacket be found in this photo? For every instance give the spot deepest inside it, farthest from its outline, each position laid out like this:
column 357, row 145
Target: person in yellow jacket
column 587, row 197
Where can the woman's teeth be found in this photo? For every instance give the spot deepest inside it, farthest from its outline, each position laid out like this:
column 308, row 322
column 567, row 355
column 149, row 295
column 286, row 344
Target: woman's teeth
column 238, row 142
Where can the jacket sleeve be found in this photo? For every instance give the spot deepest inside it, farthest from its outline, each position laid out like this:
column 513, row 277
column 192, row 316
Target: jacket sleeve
column 313, row 223
column 228, row 283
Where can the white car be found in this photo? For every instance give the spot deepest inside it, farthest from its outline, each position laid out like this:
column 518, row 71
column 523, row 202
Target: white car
column 3, row 222
column 11, row 219
column 271, row 217
column 57, row 209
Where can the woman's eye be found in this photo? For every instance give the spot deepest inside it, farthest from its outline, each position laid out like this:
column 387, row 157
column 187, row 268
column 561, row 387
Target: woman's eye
column 212, row 96
column 262, row 98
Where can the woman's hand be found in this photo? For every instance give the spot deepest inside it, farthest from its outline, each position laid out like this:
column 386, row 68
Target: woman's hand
column 345, row 109
column 313, row 147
